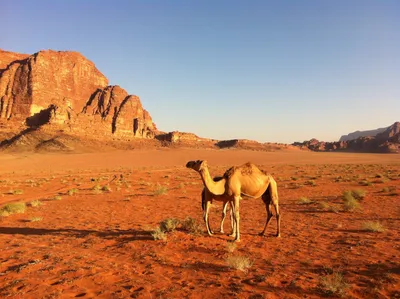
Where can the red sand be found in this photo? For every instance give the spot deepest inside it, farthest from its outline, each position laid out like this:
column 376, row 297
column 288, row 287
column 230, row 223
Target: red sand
column 99, row 244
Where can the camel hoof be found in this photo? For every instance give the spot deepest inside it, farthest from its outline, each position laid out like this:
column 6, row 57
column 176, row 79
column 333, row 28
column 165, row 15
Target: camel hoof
column 236, row 240
column 261, row 234
column 278, row 235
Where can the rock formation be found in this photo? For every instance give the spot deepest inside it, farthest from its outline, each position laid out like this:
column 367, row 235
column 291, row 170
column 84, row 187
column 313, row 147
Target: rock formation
column 357, row 134
column 67, row 90
column 387, row 141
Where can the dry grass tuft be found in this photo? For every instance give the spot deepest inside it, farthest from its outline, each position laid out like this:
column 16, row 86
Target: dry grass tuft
column 13, row 208
column 231, row 246
column 160, row 190
column 35, row 203
column 333, row 284
column 305, row 201
column 239, row 262
column 373, row 226
column 158, row 234
column 191, row 225
column 169, row 224
column 72, row 191
column 350, row 203
column 358, row 193
column 36, row 219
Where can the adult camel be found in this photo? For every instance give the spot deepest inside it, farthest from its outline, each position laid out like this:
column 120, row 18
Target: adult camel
column 245, row 180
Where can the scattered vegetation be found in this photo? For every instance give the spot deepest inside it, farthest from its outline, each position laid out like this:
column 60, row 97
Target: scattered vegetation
column 305, row 201
column 358, row 194
column 239, row 262
column 231, row 246
column 310, row 183
column 35, row 203
column 373, row 226
column 350, row 203
column 159, row 234
column 16, row 192
column 191, row 225
column 160, row 190
column 169, row 224
column 36, row 219
column 13, row 208
column 324, row 205
column 72, row 191
column 57, row 197
column 106, row 188
column 333, row 284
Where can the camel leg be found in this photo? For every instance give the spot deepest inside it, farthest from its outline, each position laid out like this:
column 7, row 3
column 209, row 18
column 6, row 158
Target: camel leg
column 278, row 219
column 205, row 216
column 223, row 217
column 233, row 221
column 237, row 218
column 269, row 216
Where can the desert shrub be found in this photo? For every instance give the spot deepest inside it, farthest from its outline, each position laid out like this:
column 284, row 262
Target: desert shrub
column 72, row 191
column 310, row 183
column 324, row 205
column 13, row 208
column 239, row 262
column 365, row 183
column 169, row 224
column 333, row 284
column 160, row 190
column 35, row 203
column 191, row 225
column 231, row 246
column 373, row 226
column 350, row 203
column 358, row 193
column 158, row 234
column 106, row 188
column 57, row 197
column 304, row 201
column 16, row 192
column 36, row 219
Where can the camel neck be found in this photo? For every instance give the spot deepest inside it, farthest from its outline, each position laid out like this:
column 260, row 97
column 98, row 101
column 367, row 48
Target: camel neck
column 216, row 188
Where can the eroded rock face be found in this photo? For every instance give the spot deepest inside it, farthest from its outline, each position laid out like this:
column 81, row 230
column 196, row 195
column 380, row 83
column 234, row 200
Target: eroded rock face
column 387, row 141
column 66, row 89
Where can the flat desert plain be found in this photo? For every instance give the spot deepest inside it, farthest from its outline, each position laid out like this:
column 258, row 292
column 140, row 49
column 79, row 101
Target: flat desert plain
column 89, row 228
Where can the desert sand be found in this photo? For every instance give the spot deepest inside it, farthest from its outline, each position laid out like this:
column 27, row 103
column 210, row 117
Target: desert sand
column 87, row 229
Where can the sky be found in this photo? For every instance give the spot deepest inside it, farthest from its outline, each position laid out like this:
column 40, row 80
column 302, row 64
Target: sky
column 271, row 71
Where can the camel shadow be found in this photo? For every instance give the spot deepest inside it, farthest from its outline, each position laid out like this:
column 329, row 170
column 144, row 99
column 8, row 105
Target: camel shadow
column 121, row 235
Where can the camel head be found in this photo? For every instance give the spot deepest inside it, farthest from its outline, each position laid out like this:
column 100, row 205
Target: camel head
column 197, row 165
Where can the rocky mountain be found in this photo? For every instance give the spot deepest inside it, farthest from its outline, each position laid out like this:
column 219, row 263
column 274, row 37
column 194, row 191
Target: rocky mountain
column 357, row 134
column 64, row 90
column 387, row 141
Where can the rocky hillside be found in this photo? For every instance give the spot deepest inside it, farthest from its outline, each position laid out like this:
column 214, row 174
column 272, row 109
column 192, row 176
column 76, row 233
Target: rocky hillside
column 357, row 134
column 65, row 91
column 387, row 141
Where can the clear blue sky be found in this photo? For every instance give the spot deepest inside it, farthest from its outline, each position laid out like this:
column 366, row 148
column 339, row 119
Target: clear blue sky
column 276, row 71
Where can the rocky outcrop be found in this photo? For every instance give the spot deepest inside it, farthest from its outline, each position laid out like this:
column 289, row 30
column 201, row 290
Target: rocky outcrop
column 176, row 136
column 7, row 57
column 357, row 134
column 387, row 141
column 65, row 89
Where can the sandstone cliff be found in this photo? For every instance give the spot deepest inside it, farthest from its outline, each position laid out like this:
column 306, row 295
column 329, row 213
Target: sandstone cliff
column 66, row 90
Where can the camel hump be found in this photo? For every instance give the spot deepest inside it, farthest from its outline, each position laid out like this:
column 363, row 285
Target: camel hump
column 245, row 169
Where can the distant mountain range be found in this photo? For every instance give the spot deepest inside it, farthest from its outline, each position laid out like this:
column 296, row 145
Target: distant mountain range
column 357, row 134
column 387, row 140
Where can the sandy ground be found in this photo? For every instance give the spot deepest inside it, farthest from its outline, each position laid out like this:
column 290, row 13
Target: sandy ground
column 98, row 243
